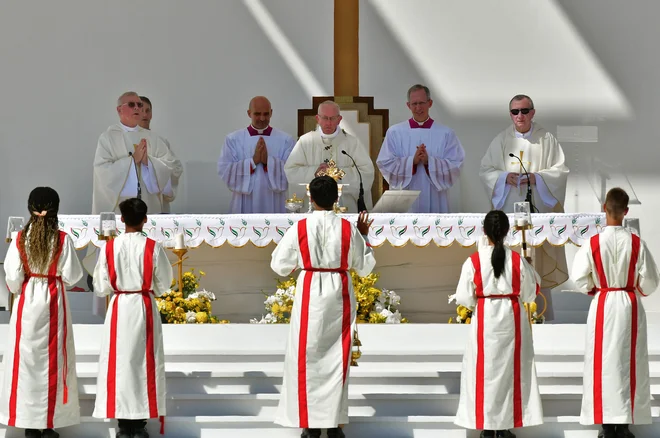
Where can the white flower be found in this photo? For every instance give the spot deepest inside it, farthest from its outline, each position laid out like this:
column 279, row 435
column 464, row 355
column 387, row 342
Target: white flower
column 459, row 319
column 191, row 317
column 378, row 307
column 206, row 294
column 394, row 318
column 452, row 298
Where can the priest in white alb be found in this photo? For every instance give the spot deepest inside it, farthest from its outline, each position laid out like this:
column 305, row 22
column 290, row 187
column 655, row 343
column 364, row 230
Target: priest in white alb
column 506, row 182
column 421, row 154
column 252, row 163
column 315, row 150
column 617, row 268
column 318, row 354
column 131, row 161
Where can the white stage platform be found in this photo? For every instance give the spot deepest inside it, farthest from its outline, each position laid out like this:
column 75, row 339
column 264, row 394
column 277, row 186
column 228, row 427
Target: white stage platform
column 224, row 381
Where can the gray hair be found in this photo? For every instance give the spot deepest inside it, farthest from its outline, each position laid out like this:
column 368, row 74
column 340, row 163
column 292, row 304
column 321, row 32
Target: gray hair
column 419, row 87
column 329, row 103
column 125, row 95
column 519, row 97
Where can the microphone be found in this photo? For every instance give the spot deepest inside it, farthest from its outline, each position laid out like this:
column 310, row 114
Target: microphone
column 360, row 201
column 528, row 197
column 137, row 175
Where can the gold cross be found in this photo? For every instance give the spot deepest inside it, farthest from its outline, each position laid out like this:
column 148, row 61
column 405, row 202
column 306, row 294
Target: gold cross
column 520, row 164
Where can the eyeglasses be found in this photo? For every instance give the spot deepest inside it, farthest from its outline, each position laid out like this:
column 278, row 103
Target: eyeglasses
column 134, row 104
column 330, row 119
column 525, row 111
column 414, row 104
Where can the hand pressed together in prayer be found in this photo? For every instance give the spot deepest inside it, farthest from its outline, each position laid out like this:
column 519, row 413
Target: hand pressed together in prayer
column 140, row 154
column 363, row 223
column 322, row 167
column 512, row 179
column 261, row 152
column 421, row 156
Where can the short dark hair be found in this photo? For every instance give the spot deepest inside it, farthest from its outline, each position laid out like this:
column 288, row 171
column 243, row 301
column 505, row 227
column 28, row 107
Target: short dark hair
column 133, row 211
column 146, row 100
column 324, row 191
column 419, row 87
column 616, row 202
column 518, row 97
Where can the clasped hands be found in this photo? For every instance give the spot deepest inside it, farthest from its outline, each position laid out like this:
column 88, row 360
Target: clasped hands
column 261, row 152
column 421, row 155
column 140, row 155
column 512, row 179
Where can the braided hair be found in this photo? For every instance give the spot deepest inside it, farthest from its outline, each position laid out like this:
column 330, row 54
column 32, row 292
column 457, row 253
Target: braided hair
column 496, row 226
column 40, row 239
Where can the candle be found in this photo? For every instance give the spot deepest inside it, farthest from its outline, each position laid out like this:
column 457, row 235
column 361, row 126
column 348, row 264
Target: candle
column 521, row 222
column 178, row 241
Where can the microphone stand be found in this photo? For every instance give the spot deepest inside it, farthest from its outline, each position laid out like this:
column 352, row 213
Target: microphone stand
column 137, row 175
column 360, row 201
column 528, row 197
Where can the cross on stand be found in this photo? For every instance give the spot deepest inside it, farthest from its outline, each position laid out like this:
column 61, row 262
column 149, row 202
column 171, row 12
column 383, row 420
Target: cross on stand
column 520, row 165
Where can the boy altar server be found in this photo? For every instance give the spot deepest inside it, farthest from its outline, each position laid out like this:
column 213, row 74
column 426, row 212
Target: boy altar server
column 617, row 268
column 131, row 380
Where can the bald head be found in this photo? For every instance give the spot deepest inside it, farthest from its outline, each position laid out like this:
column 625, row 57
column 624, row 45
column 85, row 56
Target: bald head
column 260, row 112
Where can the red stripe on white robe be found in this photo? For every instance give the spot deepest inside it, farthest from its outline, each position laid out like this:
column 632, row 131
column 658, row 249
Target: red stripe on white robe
column 303, row 243
column 600, row 322
column 150, row 355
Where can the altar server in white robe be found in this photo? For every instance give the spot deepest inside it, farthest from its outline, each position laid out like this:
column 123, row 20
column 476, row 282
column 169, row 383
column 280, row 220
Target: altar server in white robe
column 131, row 161
column 617, row 268
column 506, row 183
column 421, row 154
column 40, row 390
column 314, row 151
column 499, row 388
column 252, row 161
column 177, row 171
column 133, row 269
column 318, row 354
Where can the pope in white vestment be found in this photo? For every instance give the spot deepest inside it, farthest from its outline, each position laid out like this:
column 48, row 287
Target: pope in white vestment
column 499, row 388
column 40, row 387
column 318, row 354
column 505, row 182
column 317, row 148
column 256, row 187
column 617, row 268
column 131, row 380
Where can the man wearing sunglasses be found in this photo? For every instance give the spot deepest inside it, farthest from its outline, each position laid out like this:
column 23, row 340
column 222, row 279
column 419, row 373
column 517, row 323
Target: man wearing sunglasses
column 505, row 180
column 132, row 162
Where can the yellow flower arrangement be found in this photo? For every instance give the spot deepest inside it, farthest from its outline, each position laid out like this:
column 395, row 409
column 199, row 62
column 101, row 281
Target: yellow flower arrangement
column 188, row 306
column 374, row 306
column 464, row 314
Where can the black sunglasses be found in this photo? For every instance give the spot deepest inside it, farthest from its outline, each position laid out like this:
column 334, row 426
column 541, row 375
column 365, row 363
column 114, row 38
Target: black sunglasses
column 134, row 104
column 525, row 111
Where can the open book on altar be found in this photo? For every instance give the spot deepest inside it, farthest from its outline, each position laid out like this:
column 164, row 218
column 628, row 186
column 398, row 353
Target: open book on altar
column 396, row 201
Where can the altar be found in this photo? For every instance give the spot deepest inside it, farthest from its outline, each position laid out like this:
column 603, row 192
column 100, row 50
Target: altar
column 419, row 256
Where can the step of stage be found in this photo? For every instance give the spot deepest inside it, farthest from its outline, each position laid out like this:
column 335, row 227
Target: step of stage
column 358, row 427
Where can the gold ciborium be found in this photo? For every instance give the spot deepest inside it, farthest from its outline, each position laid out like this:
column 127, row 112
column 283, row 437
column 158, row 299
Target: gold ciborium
column 295, row 204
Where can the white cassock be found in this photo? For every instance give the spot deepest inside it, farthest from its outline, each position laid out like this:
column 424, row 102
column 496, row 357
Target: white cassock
column 445, row 153
column 315, row 148
column 618, row 269
column 256, row 188
column 543, row 156
column 499, row 388
column 116, row 175
column 318, row 353
column 40, row 387
column 134, row 269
